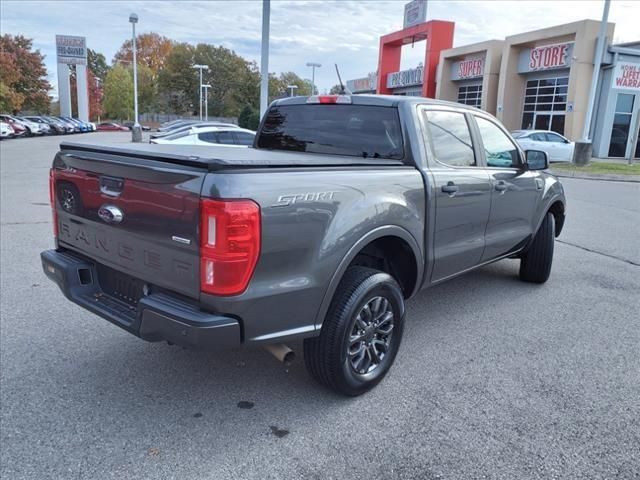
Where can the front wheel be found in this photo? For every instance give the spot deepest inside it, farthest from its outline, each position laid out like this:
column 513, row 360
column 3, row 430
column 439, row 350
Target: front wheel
column 535, row 265
column 360, row 335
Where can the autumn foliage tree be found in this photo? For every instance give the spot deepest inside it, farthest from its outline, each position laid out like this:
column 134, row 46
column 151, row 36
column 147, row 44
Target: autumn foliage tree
column 118, row 93
column 23, row 76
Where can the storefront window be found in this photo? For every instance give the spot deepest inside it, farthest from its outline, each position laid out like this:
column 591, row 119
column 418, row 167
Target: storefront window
column 470, row 95
column 621, row 125
column 545, row 103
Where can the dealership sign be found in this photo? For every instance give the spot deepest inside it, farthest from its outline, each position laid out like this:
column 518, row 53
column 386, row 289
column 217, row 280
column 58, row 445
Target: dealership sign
column 467, row 69
column 71, row 50
column 365, row 84
column 414, row 13
column 547, row 57
column 627, row 76
column 405, row 78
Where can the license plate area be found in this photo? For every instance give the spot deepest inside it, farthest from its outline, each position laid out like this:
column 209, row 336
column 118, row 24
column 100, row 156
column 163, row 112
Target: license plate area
column 119, row 285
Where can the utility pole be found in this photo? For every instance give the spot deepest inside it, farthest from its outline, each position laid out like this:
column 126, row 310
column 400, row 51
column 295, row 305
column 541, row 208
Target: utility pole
column 313, row 75
column 264, row 58
column 206, row 101
column 201, row 68
column 583, row 149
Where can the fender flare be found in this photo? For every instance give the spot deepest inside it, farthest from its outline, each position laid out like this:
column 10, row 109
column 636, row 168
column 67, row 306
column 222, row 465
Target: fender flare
column 379, row 232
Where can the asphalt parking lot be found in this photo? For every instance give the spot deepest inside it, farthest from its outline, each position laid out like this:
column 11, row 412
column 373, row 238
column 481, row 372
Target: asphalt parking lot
column 495, row 378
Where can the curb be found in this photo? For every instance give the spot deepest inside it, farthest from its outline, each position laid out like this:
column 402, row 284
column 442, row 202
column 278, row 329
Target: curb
column 606, row 177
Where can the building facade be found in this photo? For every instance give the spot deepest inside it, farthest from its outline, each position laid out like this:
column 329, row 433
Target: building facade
column 534, row 80
column 470, row 74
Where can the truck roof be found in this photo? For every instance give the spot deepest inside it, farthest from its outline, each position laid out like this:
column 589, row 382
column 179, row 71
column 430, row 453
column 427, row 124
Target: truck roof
column 379, row 101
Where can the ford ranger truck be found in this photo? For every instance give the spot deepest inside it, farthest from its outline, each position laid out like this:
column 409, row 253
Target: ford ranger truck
column 344, row 209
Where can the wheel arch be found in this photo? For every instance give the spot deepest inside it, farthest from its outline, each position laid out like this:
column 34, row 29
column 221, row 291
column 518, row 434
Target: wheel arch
column 385, row 237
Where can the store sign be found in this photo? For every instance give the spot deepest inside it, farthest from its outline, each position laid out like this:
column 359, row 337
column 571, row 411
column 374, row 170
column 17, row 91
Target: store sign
column 548, row 57
column 467, row 68
column 71, row 50
column 405, row 78
column 627, row 76
column 365, row 84
column 415, row 12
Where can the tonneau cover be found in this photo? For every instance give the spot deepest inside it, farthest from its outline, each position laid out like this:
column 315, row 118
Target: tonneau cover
column 219, row 157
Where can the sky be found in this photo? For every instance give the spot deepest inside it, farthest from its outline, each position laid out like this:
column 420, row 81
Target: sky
column 343, row 32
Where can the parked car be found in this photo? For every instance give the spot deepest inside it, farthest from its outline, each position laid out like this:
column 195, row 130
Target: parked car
column 30, row 128
column 175, row 124
column 6, row 131
column 129, row 125
column 111, row 127
column 48, row 127
column 233, row 137
column 345, row 209
column 69, row 126
column 19, row 128
column 559, row 148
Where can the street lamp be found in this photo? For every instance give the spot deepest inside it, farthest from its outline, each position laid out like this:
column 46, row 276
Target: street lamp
column 206, row 101
column 313, row 75
column 136, row 131
column 201, row 68
column 292, row 88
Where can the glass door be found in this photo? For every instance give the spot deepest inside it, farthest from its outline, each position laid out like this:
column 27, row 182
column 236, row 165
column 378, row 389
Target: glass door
column 621, row 125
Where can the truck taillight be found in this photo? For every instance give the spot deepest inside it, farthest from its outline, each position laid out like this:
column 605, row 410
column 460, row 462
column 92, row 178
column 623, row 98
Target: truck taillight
column 52, row 201
column 229, row 245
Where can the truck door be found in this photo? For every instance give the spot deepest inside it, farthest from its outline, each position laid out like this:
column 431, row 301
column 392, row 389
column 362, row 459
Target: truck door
column 462, row 192
column 515, row 191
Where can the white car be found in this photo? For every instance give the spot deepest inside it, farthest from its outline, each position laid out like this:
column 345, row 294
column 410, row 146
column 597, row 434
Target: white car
column 557, row 147
column 5, row 130
column 230, row 136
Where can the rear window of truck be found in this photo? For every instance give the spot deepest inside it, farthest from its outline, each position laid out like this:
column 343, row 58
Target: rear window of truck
column 352, row 130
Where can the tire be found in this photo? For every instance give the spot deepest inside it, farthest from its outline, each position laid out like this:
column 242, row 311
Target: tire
column 535, row 264
column 358, row 341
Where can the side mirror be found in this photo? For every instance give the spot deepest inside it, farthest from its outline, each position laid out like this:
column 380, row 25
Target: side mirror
column 537, row 159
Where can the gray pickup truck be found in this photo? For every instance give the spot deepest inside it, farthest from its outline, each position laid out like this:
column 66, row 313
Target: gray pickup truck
column 345, row 207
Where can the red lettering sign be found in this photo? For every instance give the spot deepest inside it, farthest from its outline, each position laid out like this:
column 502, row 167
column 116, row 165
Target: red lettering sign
column 471, row 68
column 627, row 76
column 552, row 56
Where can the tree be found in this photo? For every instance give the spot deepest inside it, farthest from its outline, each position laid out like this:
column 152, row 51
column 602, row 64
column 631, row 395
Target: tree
column 95, row 96
column 152, row 50
column 178, row 80
column 290, row 78
column 249, row 118
column 118, row 93
column 335, row 90
column 97, row 64
column 23, row 76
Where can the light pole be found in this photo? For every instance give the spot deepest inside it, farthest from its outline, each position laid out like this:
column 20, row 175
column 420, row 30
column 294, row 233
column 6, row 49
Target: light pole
column 206, row 101
column 136, row 131
column 583, row 148
column 313, row 75
column 264, row 58
column 201, row 68
column 292, row 88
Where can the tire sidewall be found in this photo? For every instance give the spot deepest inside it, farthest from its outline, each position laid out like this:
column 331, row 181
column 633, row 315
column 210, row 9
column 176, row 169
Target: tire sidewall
column 384, row 286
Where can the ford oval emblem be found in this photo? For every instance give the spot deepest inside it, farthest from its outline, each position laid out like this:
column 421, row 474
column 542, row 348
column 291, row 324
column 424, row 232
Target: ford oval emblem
column 110, row 214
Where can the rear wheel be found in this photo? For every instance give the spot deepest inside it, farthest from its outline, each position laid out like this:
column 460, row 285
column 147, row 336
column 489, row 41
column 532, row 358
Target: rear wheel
column 535, row 264
column 361, row 334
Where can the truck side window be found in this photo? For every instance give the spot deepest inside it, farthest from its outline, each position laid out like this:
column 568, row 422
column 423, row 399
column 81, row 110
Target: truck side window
column 451, row 138
column 498, row 147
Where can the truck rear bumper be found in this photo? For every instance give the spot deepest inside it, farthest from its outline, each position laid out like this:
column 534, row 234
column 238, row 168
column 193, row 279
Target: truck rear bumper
column 155, row 317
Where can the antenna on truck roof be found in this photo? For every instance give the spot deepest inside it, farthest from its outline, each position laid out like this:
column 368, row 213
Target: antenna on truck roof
column 343, row 89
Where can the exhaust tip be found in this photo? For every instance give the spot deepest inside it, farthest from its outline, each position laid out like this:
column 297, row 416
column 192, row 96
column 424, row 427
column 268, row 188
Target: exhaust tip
column 282, row 352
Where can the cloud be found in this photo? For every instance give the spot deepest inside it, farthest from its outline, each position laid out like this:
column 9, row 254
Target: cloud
column 343, row 32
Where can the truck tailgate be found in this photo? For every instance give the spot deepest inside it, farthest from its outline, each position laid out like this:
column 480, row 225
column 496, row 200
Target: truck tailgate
column 136, row 216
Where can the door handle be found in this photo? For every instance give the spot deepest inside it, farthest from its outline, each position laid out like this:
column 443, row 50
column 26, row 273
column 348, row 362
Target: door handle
column 501, row 186
column 450, row 188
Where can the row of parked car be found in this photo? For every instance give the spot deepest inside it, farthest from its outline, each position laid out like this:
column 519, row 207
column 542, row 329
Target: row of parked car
column 194, row 132
column 12, row 126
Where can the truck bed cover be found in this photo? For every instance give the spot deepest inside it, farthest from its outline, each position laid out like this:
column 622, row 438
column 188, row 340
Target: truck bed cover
column 221, row 157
